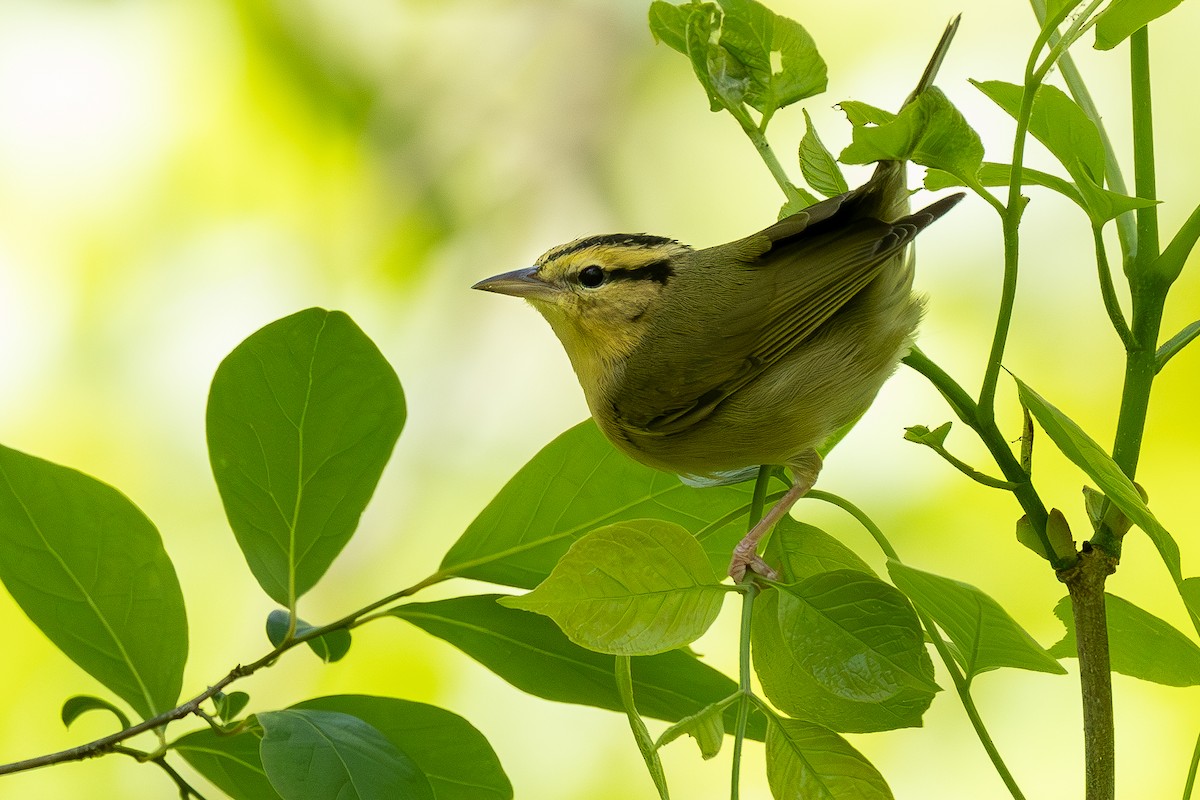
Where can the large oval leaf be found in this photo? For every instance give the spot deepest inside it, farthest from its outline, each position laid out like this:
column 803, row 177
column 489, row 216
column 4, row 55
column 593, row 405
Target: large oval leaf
column 316, row 755
column 845, row 650
column 302, row 418
column 87, row 566
column 453, row 755
column 577, row 483
column 633, row 588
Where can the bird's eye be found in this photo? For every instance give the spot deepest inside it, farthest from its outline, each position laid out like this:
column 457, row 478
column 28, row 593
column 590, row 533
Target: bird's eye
column 591, row 276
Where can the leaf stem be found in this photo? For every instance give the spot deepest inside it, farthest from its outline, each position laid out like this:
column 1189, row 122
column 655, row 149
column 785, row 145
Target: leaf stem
column 745, row 691
column 1107, row 292
column 759, row 139
column 1190, row 783
column 111, row 743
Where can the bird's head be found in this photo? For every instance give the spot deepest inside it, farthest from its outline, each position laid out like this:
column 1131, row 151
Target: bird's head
column 598, row 294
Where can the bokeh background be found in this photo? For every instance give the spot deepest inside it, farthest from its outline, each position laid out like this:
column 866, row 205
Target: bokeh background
column 175, row 175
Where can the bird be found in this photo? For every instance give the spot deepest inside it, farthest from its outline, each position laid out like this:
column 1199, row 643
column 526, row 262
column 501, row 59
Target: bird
column 711, row 363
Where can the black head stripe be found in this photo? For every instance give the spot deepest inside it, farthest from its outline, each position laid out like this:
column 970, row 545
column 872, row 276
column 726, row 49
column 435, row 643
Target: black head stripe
column 611, row 240
column 658, row 271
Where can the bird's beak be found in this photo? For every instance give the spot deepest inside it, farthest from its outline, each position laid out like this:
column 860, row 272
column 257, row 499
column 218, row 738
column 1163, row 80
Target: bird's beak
column 518, row 283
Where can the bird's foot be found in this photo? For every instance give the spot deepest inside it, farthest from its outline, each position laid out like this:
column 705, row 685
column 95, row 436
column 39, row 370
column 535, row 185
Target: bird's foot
column 744, row 560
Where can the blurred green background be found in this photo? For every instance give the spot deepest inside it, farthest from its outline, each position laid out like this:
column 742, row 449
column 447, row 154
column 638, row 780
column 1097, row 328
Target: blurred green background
column 174, row 175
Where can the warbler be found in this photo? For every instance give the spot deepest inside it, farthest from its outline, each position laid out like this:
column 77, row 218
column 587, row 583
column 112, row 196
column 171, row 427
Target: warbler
column 709, row 363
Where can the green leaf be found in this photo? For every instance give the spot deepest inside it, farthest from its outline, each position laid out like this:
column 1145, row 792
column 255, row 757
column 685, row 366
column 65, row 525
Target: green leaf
column 724, row 79
column 302, row 418
column 531, row 653
column 1140, row 644
column 935, row 438
column 982, row 634
column 230, row 705
column 801, row 551
column 859, row 113
column 454, row 756
column 706, row 726
column 1175, row 344
column 314, row 755
column 929, row 131
column 668, row 24
column 632, row 588
column 89, row 569
column 778, row 53
column 809, row 762
column 231, row 763
column 1059, row 123
column 1083, row 451
column 1123, row 18
column 817, row 163
column 1103, row 205
column 993, row 174
column 329, row 647
column 82, row 703
column 577, row 483
column 845, row 650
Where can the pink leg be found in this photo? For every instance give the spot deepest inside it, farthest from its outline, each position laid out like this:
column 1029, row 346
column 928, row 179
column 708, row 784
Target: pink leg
column 745, row 554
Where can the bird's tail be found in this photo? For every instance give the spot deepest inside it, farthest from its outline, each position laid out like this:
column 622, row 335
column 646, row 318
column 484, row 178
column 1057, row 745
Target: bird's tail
column 935, row 63
column 886, row 194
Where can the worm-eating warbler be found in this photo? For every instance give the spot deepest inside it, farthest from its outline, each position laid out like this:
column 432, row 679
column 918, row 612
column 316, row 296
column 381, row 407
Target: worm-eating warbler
column 712, row 362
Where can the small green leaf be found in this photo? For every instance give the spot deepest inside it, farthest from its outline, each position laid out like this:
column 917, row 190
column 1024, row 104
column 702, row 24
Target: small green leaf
column 1027, row 536
column 1123, row 18
column 668, row 24
column 329, row 647
column 231, row 763
column 983, row 635
column 724, row 79
column 758, row 38
column 82, row 703
column 801, row 551
column 1175, row 344
column 706, row 726
column 530, row 652
column 1103, row 205
column 923, row 435
column 845, row 650
column 929, row 131
column 632, row 588
column 454, row 756
column 577, row 483
column 810, row 762
column 230, row 705
column 1140, row 644
column 1058, row 531
column 1083, row 451
column 89, row 569
column 314, row 755
column 817, row 163
column 859, row 113
column 302, row 418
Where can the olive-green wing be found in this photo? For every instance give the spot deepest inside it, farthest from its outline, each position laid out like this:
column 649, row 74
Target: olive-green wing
column 738, row 309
